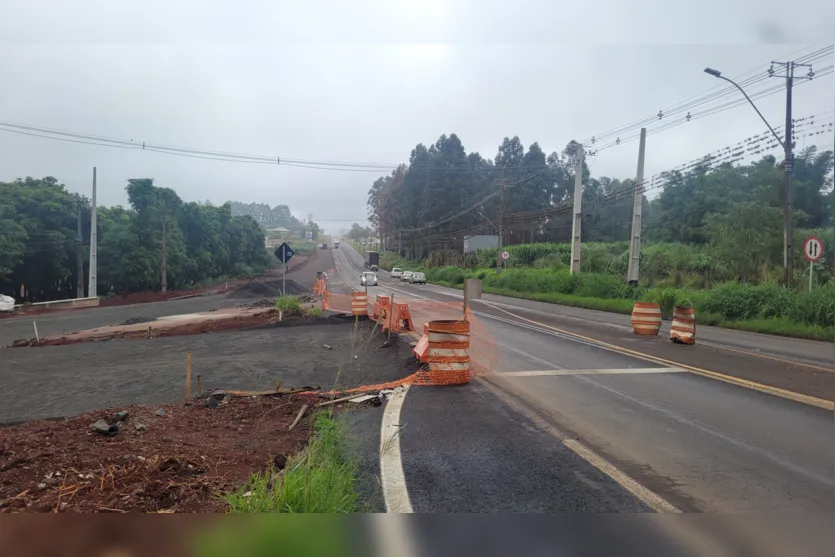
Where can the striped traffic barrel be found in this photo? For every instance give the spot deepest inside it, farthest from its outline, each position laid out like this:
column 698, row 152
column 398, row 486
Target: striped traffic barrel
column 683, row 329
column 449, row 357
column 359, row 304
column 646, row 318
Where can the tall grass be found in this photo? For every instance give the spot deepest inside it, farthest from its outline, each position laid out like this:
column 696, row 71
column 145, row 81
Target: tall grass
column 288, row 304
column 320, row 479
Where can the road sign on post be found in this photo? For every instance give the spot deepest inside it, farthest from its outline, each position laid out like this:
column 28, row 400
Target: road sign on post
column 813, row 250
column 505, row 255
column 284, row 253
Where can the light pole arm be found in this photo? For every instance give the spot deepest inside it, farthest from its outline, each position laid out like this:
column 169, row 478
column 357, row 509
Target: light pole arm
column 715, row 73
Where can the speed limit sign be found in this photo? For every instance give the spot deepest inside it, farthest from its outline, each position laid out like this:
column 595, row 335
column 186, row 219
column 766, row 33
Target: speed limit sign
column 813, row 248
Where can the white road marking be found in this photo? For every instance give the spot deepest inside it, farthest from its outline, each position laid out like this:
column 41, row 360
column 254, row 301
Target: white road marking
column 392, row 478
column 649, row 497
column 537, row 373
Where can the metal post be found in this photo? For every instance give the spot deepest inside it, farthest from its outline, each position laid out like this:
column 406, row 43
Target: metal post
column 284, row 275
column 92, row 290
column 634, row 271
column 79, row 257
column 501, row 227
column 576, row 225
column 811, row 271
column 788, row 254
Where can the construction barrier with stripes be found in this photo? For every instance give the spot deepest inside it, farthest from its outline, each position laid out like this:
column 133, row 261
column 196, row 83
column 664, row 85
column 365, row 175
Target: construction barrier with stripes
column 683, row 329
column 427, row 322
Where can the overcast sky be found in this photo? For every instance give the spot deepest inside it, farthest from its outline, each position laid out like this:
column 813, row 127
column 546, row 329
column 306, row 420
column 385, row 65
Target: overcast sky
column 367, row 80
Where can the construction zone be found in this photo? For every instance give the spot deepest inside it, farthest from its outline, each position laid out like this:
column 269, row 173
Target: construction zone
column 163, row 411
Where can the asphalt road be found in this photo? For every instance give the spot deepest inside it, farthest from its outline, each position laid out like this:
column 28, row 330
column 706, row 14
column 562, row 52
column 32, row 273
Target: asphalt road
column 699, row 443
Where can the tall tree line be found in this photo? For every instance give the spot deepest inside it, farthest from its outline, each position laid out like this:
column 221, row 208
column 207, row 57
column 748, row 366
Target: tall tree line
column 38, row 244
column 423, row 205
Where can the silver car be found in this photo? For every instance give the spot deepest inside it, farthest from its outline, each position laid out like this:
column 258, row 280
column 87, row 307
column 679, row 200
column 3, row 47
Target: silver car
column 417, row 278
column 405, row 276
column 368, row 279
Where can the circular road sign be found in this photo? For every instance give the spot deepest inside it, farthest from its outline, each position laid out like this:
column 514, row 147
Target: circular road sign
column 813, row 248
column 505, row 255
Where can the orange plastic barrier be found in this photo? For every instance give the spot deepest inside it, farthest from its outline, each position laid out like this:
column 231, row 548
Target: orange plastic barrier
column 646, row 318
column 449, row 358
column 380, row 305
column 683, row 329
column 359, row 304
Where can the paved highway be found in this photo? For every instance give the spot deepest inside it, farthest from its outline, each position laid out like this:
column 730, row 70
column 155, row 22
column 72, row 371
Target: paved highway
column 672, row 438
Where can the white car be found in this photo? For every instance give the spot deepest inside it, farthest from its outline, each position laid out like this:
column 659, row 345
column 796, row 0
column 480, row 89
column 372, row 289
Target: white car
column 368, row 279
column 6, row 303
column 406, row 276
column 417, row 278
column 396, row 273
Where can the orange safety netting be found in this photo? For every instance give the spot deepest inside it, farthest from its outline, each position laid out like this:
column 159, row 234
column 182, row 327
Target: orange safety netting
column 484, row 354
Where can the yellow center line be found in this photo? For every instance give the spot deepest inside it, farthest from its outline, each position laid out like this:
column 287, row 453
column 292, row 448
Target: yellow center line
column 766, row 356
column 797, row 397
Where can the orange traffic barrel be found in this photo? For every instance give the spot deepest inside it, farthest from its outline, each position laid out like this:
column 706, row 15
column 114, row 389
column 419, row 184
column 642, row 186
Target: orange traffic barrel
column 683, row 329
column 449, row 357
column 359, row 304
column 646, row 318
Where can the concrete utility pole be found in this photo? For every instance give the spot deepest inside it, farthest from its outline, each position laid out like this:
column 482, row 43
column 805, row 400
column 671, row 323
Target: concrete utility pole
column 501, row 227
column 163, row 264
column 788, row 150
column 634, row 271
column 400, row 243
column 79, row 257
column 576, row 225
column 92, row 290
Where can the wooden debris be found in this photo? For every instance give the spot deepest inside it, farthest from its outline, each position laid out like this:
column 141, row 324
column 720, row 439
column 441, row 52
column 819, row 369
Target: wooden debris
column 302, row 410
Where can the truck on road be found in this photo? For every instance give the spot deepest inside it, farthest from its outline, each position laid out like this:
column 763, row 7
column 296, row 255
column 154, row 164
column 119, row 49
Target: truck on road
column 373, row 260
column 336, row 244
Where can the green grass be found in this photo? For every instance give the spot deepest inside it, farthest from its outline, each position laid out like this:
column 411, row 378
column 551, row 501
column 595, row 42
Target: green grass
column 314, row 311
column 288, row 304
column 319, row 479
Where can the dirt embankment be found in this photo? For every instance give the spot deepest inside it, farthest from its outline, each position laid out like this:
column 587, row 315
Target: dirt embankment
column 169, row 458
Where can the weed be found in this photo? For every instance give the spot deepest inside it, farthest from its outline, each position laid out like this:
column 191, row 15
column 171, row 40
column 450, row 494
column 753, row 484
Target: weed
column 288, row 304
column 319, row 479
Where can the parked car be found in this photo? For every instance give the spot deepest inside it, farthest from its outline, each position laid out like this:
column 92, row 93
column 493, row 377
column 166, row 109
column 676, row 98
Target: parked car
column 417, row 278
column 368, row 279
column 406, row 276
column 396, row 273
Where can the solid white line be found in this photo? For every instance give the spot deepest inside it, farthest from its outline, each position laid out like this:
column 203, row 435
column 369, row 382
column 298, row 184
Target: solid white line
column 392, row 478
column 636, row 489
column 537, row 373
column 650, row 498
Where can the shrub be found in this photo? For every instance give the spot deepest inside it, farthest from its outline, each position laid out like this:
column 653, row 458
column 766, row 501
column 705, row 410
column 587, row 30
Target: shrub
column 287, row 304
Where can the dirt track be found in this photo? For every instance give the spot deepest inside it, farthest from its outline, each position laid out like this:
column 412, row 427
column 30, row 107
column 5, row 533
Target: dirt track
column 68, row 321
column 65, row 380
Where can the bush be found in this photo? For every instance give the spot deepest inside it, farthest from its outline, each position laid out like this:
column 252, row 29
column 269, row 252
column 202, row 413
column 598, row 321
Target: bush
column 288, row 304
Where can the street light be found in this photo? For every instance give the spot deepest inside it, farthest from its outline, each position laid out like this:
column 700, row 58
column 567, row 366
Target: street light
column 717, row 73
column 788, row 256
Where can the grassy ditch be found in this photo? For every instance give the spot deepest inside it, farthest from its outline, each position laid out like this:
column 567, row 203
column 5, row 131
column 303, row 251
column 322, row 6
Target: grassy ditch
column 763, row 308
column 319, row 479
column 288, row 304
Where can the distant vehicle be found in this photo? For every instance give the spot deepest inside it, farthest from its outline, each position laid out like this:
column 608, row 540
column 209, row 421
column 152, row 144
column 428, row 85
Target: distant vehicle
column 336, row 244
column 368, row 279
column 373, row 259
column 324, row 245
column 396, row 273
column 6, row 303
column 375, row 268
column 406, row 276
column 417, row 278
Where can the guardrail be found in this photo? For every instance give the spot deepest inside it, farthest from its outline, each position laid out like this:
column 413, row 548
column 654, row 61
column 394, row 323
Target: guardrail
column 58, row 304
